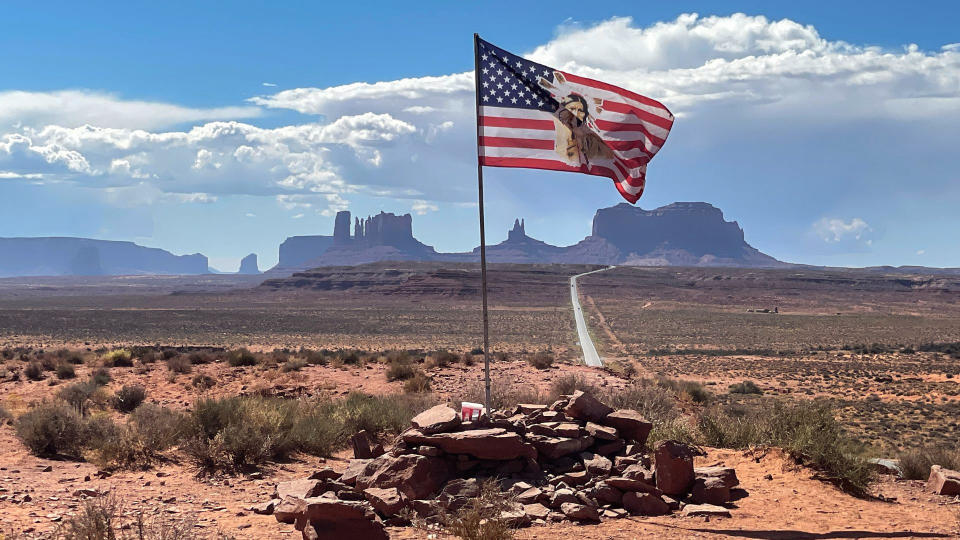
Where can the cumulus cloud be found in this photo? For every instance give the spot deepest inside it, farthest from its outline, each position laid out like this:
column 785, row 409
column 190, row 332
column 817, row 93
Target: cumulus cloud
column 835, row 230
column 728, row 78
column 422, row 207
column 74, row 108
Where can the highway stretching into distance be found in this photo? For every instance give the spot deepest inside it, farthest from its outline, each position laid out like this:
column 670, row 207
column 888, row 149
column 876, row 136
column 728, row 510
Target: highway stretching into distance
column 590, row 356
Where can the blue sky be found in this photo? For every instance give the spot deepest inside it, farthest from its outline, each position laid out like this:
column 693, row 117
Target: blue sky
column 826, row 130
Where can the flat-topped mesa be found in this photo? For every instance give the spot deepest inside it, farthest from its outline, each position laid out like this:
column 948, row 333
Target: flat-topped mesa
column 695, row 227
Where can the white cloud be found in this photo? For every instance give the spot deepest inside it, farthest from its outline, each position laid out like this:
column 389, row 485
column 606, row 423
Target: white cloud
column 75, row 108
column 921, row 252
column 268, row 84
column 422, row 207
column 834, row 230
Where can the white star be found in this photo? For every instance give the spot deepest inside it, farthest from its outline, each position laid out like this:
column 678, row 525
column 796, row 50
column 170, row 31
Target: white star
column 493, row 92
column 519, row 64
column 546, row 73
column 539, row 103
column 499, row 85
column 514, row 87
column 533, row 69
column 528, row 101
column 493, row 64
column 484, row 70
column 484, row 57
column 514, row 100
column 485, row 84
column 486, row 98
column 505, row 59
column 499, row 100
column 506, row 92
column 521, row 93
column 499, row 72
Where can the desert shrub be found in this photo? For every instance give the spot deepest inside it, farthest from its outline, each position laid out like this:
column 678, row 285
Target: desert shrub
column 745, row 387
column 78, row 395
column 101, row 377
column 6, row 417
column 480, row 518
column 419, row 383
column 100, row 519
column 129, row 398
column 33, row 371
column 50, row 429
column 476, row 351
column 915, row 463
column 48, row 362
column 401, row 371
column 74, row 358
column 203, row 382
column 149, row 357
column 99, row 428
column 66, row 371
column 467, row 359
column 441, row 359
column 656, row 403
column 199, row 358
column 241, row 357
column 313, row 357
column 348, row 357
column 295, row 364
column 375, row 414
column 691, row 390
column 158, row 427
column 570, row 383
column 179, row 364
column 807, row 430
column 118, row 358
column 541, row 360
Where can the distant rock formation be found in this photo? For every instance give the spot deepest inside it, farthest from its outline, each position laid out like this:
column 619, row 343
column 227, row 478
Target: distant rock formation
column 248, row 265
column 383, row 237
column 62, row 256
column 679, row 234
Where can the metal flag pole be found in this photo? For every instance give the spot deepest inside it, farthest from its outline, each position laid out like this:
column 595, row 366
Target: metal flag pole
column 483, row 243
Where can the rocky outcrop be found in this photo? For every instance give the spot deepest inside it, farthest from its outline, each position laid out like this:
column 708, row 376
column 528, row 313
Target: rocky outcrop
column 565, row 461
column 295, row 251
column 56, row 256
column 944, row 481
column 248, row 265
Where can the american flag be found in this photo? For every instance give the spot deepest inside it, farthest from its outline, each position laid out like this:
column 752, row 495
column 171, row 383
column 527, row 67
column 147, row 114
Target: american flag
column 534, row 116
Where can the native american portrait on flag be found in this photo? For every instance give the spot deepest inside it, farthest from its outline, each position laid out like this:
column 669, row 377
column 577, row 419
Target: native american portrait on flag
column 531, row 115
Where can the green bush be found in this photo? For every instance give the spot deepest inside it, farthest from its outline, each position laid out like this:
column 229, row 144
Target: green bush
column 118, row 358
column 158, row 427
column 419, row 383
column 101, row 377
column 241, row 357
column 51, row 429
column 915, row 463
column 179, row 364
column 541, row 360
column 129, row 398
column 745, row 387
column 441, row 359
column 78, row 395
column 65, row 371
column 33, row 371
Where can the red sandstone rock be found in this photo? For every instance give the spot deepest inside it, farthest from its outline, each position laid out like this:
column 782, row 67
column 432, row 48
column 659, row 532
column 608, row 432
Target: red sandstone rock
column 364, row 446
column 493, row 443
column 727, row 475
column 387, row 501
column 583, row 406
column 354, row 469
column 673, row 467
column 710, row 491
column 705, row 510
column 944, row 481
column 644, row 504
column 630, row 424
column 301, row 489
column 415, row 476
column 602, row 433
column 579, row 512
column 436, row 420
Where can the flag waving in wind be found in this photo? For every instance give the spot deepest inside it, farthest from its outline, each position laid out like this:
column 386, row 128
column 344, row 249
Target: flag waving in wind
column 531, row 115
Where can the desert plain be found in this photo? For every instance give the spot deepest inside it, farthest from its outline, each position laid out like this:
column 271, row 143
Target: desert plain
column 881, row 351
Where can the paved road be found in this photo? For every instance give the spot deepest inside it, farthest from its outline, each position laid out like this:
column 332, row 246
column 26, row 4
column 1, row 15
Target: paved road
column 590, row 356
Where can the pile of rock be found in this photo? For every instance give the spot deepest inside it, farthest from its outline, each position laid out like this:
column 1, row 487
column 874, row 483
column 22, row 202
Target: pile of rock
column 576, row 459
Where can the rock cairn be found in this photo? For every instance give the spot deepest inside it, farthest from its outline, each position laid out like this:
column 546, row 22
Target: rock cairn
column 576, row 460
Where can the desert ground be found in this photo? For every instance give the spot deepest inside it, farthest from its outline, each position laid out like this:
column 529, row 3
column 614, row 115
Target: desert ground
column 880, row 350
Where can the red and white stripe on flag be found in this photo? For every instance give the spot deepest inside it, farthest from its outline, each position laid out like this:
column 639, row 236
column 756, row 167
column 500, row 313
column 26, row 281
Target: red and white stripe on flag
column 534, row 116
